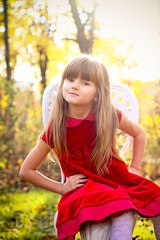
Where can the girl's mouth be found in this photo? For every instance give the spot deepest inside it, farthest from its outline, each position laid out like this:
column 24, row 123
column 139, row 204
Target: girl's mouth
column 74, row 94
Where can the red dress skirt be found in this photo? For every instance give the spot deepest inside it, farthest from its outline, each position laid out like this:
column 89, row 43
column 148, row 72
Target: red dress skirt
column 101, row 196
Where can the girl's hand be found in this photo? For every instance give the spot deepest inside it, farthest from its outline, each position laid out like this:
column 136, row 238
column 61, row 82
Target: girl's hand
column 75, row 181
column 134, row 170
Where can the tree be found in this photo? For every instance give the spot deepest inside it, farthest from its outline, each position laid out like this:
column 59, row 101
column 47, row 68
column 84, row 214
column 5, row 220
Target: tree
column 85, row 31
column 34, row 32
column 7, row 52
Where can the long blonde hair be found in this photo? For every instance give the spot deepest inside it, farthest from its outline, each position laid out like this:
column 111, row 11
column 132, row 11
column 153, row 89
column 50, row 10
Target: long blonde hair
column 88, row 68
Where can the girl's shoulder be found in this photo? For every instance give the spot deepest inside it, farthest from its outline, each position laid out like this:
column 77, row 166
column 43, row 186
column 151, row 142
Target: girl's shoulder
column 47, row 135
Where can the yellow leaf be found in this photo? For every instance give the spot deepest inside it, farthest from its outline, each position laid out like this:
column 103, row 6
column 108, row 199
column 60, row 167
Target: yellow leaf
column 3, row 103
column 10, row 151
column 20, row 161
column 44, row 213
column 1, row 127
column 40, row 206
column 5, row 97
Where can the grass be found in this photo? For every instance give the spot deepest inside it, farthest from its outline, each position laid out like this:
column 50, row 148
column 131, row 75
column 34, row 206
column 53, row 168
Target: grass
column 29, row 216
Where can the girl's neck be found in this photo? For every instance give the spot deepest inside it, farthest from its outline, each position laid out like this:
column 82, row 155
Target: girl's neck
column 78, row 113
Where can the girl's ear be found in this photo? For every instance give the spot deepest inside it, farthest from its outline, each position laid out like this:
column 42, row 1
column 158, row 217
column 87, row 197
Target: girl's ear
column 95, row 98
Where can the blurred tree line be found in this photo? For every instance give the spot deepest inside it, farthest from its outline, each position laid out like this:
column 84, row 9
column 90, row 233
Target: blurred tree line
column 29, row 34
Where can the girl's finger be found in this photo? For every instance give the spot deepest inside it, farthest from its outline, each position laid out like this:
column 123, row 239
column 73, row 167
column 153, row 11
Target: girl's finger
column 81, row 175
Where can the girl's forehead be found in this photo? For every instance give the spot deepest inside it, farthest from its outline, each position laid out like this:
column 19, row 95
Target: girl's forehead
column 80, row 71
column 77, row 73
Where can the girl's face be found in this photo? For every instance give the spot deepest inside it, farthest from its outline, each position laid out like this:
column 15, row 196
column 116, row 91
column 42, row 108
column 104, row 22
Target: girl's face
column 79, row 92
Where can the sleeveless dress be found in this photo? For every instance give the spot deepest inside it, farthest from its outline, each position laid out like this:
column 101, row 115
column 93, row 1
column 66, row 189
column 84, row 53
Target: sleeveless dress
column 101, row 196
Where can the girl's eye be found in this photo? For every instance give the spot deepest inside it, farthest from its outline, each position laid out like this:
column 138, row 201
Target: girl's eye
column 70, row 79
column 86, row 83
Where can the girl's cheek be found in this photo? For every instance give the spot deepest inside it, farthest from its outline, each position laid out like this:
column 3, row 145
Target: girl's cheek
column 64, row 87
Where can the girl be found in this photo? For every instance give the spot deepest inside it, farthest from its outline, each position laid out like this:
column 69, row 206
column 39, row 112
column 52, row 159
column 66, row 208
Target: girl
column 99, row 188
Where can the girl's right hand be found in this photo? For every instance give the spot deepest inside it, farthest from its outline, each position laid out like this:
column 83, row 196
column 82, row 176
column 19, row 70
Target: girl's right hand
column 75, row 181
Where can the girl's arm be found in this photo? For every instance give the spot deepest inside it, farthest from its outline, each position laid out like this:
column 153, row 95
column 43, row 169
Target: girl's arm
column 29, row 172
column 139, row 139
column 29, row 167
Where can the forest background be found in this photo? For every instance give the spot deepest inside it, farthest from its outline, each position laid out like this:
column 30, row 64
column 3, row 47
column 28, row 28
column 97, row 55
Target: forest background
column 37, row 39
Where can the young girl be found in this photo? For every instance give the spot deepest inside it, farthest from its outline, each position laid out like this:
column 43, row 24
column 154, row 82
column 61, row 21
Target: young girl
column 99, row 188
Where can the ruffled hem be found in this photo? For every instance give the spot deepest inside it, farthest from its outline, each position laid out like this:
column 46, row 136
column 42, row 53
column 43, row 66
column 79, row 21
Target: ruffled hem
column 98, row 213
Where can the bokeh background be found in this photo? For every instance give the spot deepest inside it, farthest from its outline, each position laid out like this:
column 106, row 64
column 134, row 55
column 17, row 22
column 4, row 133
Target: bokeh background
column 37, row 39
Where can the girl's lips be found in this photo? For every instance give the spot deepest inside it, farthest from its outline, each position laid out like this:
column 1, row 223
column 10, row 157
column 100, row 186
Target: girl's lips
column 75, row 94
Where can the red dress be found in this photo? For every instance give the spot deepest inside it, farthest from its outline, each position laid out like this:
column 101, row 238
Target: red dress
column 100, row 197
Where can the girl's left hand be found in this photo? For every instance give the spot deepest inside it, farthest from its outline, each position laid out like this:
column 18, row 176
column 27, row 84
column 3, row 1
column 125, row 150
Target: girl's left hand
column 73, row 182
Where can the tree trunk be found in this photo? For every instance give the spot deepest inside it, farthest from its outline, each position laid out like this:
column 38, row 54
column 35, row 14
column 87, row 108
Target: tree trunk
column 43, row 61
column 85, row 44
column 7, row 55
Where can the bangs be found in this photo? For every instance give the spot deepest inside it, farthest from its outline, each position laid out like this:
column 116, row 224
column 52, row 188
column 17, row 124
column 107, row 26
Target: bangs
column 82, row 68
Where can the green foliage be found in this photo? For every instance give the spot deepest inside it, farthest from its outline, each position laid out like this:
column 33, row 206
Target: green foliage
column 27, row 215
column 19, row 114
column 7, row 120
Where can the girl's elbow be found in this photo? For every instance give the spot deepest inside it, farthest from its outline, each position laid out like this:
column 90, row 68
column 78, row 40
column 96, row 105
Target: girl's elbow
column 143, row 133
column 22, row 173
column 140, row 134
